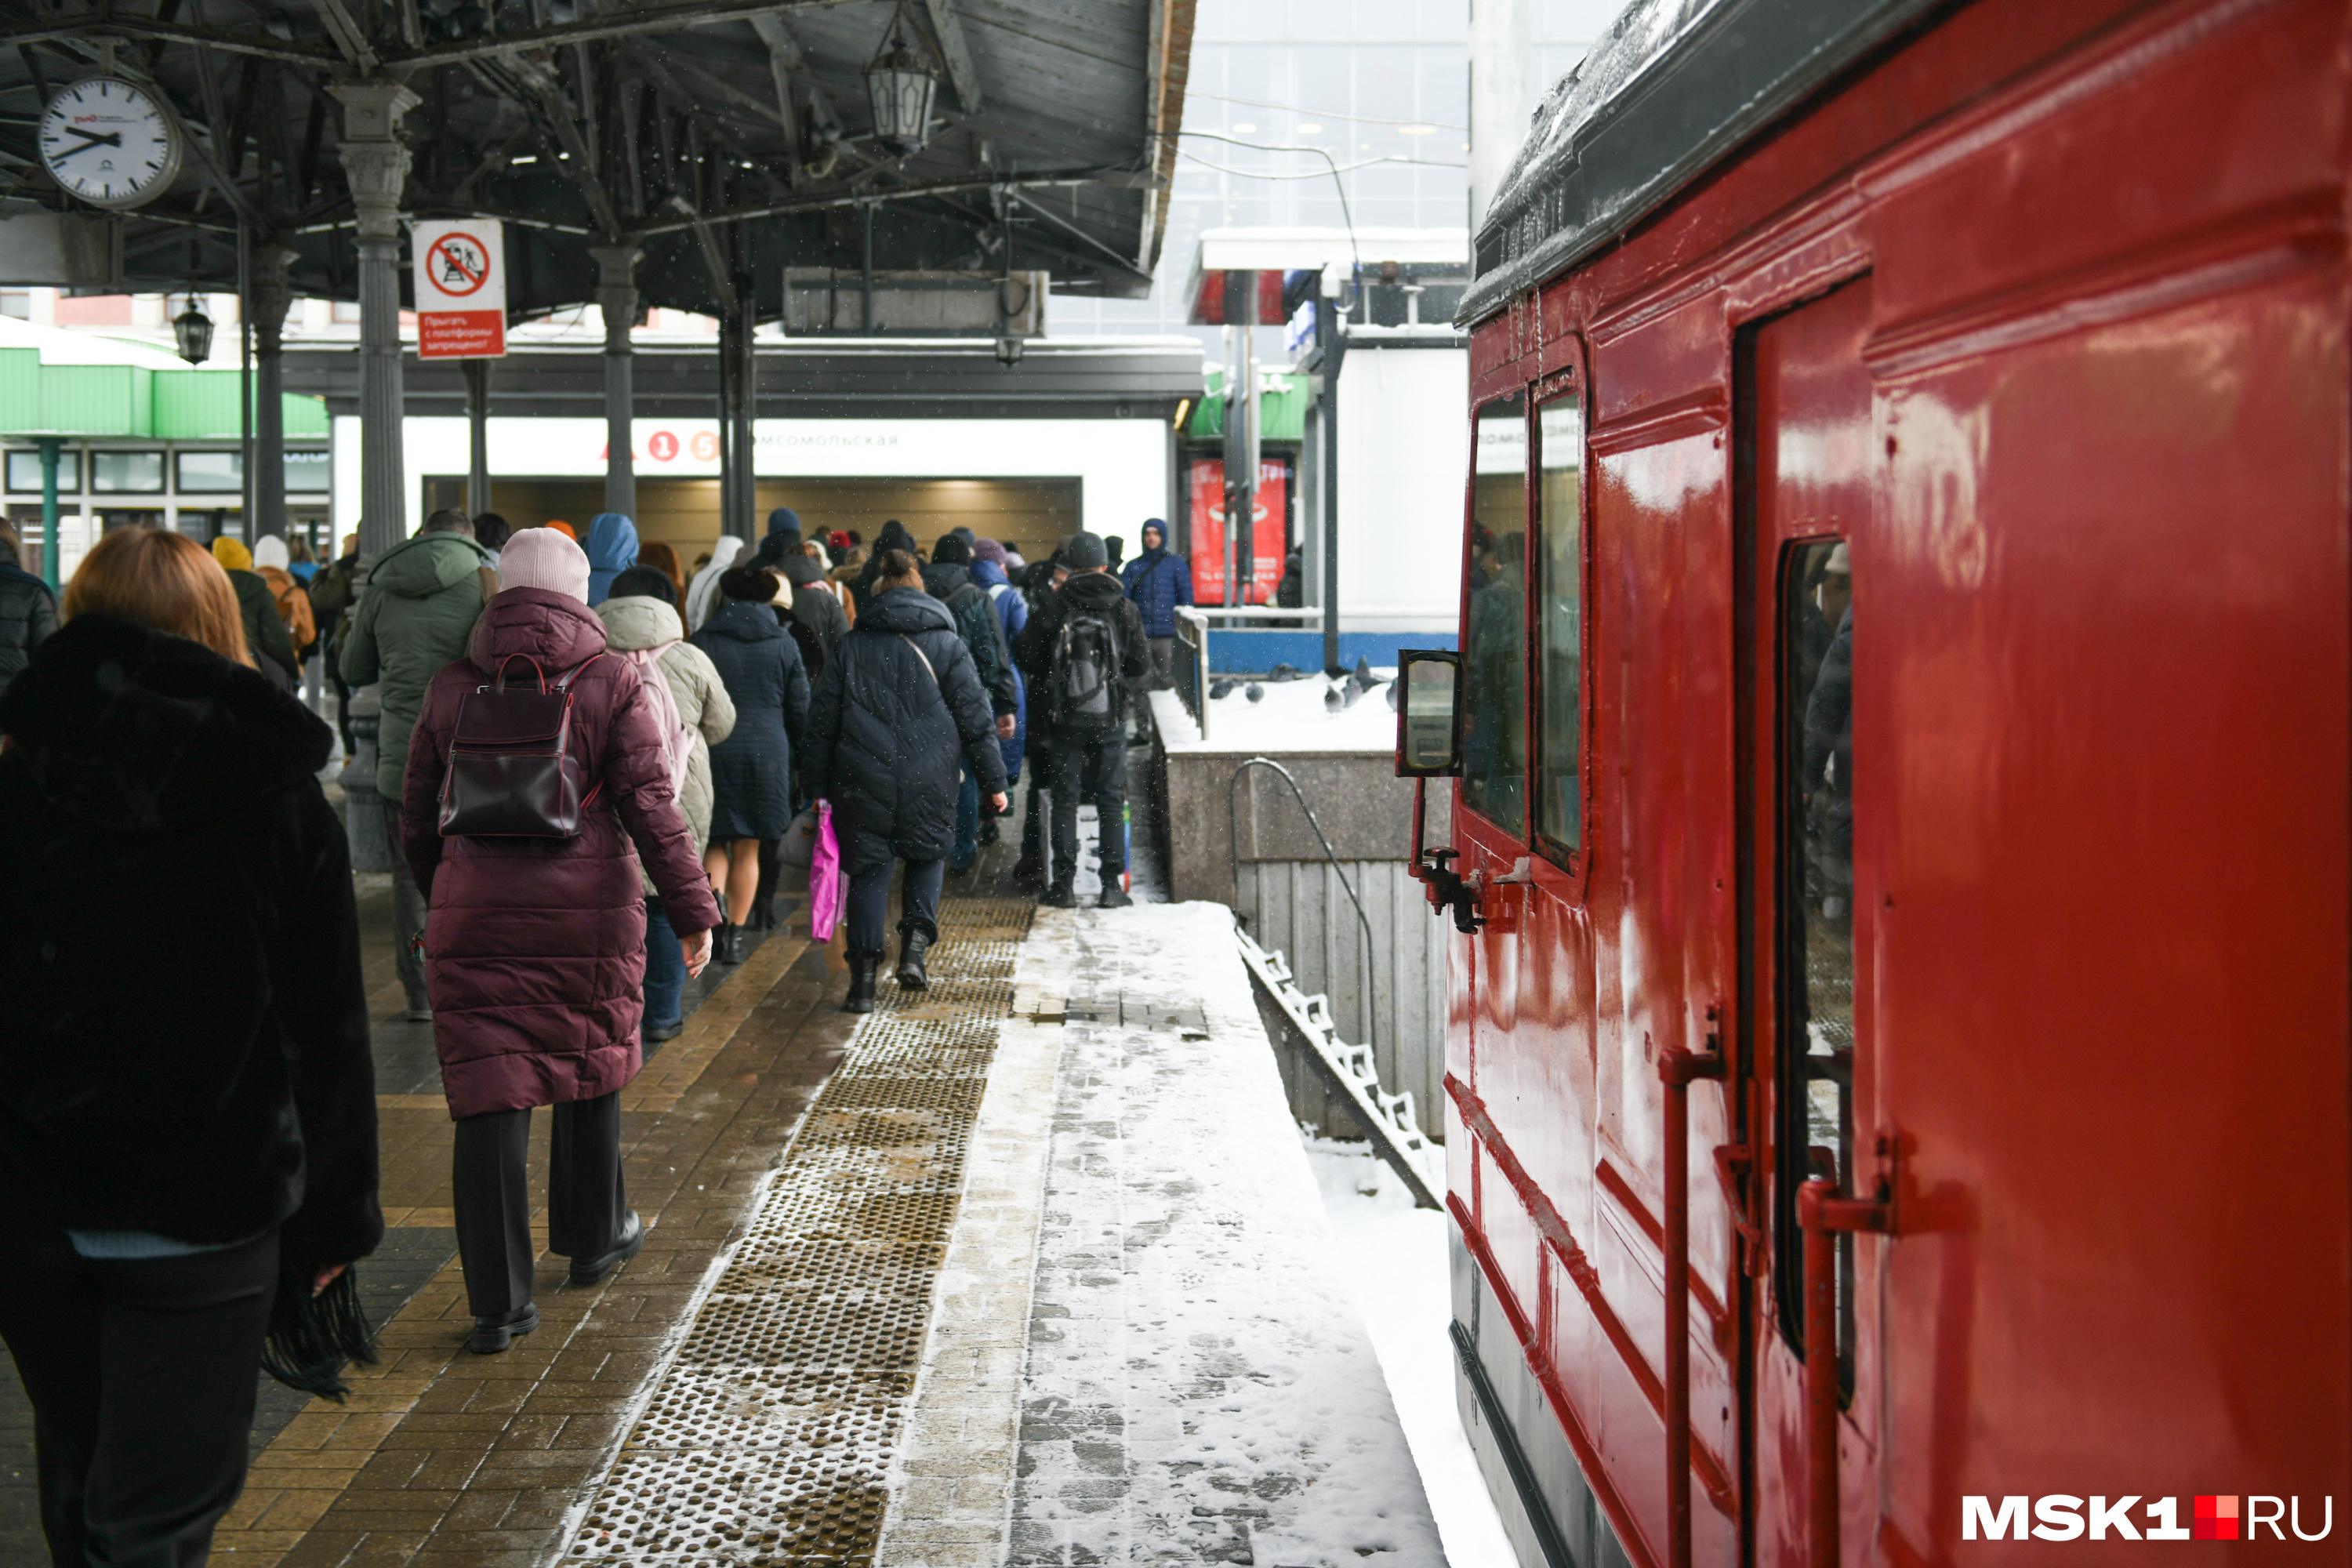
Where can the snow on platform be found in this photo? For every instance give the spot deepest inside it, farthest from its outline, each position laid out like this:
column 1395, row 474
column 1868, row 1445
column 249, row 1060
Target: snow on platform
column 1289, row 716
column 1200, row 1386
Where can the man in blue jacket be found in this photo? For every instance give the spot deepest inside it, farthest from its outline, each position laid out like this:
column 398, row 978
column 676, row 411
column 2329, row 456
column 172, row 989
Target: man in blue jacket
column 1158, row 581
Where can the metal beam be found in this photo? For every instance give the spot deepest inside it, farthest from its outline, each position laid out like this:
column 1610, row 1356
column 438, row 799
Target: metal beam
column 633, row 22
column 962, row 75
column 89, row 26
column 532, row 84
column 819, row 201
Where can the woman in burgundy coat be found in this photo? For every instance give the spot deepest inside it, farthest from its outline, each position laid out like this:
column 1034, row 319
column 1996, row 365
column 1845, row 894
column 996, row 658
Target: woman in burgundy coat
column 534, row 948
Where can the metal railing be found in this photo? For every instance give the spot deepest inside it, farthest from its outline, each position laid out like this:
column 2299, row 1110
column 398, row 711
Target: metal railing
column 1193, row 665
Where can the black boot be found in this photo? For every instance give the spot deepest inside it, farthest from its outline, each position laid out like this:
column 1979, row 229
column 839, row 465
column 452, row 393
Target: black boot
column 631, row 1241
column 912, row 941
column 492, row 1335
column 862, row 968
column 1029, row 874
column 1060, row 896
column 728, row 947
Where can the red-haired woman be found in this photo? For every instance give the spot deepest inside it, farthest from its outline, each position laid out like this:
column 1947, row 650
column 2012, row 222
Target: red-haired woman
column 169, row 1150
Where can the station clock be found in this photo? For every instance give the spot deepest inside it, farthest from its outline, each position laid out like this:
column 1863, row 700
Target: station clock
column 111, row 143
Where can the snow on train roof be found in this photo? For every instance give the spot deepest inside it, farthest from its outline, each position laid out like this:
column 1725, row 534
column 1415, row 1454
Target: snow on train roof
column 1671, row 87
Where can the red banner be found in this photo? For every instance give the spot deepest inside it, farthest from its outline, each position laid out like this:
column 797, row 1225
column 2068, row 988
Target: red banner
column 1268, row 536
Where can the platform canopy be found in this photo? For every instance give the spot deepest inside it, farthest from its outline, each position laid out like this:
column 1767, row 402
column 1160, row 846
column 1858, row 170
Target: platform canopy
column 726, row 139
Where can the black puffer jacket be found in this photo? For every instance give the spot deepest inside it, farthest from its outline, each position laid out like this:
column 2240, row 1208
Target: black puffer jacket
column 894, row 536
column 192, row 1060
column 976, row 621
column 751, row 769
column 27, row 613
column 1097, row 591
column 887, row 736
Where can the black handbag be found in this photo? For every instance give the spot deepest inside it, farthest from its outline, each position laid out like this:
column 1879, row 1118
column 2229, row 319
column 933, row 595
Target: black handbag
column 511, row 772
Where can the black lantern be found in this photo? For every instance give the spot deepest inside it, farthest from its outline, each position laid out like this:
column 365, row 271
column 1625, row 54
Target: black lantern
column 195, row 331
column 900, row 84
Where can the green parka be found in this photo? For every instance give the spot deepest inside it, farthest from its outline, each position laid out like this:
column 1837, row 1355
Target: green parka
column 416, row 615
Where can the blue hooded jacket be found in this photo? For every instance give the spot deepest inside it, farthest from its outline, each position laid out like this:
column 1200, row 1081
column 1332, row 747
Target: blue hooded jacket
column 1158, row 581
column 612, row 546
column 1012, row 614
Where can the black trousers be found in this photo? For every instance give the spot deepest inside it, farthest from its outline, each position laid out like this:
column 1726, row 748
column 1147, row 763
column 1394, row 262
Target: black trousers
column 587, row 1199
column 141, row 1376
column 1096, row 766
column 870, row 902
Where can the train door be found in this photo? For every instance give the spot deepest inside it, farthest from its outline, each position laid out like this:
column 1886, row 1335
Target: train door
column 1809, row 479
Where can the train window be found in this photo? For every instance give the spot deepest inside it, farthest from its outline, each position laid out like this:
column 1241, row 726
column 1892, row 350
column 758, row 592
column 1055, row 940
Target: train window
column 1816, row 894
column 1495, row 750
column 1560, row 619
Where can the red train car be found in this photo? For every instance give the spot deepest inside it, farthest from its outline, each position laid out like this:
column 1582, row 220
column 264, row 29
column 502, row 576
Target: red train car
column 1901, row 748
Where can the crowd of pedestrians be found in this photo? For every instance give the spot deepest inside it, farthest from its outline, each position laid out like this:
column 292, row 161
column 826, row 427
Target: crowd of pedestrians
column 587, row 755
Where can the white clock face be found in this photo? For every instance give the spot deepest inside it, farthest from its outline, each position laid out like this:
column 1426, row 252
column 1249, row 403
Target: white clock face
column 109, row 143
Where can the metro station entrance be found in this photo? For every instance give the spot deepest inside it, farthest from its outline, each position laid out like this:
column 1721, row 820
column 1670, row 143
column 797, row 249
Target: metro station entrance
column 1033, row 514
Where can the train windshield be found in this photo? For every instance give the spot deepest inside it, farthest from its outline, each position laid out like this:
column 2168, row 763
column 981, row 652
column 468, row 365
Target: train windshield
column 1495, row 750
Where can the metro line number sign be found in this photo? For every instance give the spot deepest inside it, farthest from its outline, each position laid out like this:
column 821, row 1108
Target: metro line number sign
column 461, row 288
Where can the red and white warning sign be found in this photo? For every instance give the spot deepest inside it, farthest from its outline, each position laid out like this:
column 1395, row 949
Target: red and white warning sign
column 461, row 290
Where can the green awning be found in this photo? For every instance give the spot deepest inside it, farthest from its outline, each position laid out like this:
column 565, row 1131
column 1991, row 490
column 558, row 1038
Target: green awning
column 132, row 400
column 1282, row 416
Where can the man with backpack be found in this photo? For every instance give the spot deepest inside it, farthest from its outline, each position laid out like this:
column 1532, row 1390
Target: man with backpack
column 1084, row 654
column 949, row 580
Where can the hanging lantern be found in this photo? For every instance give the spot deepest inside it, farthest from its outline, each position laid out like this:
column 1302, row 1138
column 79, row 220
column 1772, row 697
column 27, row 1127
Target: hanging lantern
column 900, row 85
column 194, row 329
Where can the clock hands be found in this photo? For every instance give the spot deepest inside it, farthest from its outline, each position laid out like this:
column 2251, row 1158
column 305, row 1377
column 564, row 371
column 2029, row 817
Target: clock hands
column 90, row 139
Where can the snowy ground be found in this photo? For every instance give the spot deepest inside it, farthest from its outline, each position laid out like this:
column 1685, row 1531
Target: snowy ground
column 1199, row 1388
column 1393, row 1256
column 1289, row 716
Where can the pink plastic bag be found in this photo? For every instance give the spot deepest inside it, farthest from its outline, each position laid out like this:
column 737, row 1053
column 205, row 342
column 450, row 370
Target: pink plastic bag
column 828, row 892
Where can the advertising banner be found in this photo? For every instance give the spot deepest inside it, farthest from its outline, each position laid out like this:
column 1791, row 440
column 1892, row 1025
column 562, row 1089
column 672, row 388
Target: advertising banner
column 460, row 269
column 1268, row 540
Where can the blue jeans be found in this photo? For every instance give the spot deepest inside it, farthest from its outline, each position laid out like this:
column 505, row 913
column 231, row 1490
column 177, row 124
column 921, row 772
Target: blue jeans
column 664, row 969
column 967, row 843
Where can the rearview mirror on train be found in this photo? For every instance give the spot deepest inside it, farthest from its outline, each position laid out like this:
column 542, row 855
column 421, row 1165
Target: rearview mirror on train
column 1429, row 700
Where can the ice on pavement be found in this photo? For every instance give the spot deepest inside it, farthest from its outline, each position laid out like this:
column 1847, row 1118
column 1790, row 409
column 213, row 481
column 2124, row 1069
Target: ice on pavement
column 1199, row 1385
column 1394, row 1258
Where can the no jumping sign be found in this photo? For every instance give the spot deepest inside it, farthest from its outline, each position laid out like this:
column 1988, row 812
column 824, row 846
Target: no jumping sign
column 461, row 290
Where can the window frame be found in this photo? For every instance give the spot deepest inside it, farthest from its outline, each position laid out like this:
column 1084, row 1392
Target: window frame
column 162, row 470
column 1523, row 391
column 69, row 471
column 180, row 485
column 326, row 469
column 1570, row 378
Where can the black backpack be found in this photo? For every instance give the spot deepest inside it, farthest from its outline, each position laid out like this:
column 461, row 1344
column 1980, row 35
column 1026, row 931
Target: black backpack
column 1083, row 692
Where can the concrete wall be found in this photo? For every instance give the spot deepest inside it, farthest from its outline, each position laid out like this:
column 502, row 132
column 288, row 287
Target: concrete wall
column 1298, row 909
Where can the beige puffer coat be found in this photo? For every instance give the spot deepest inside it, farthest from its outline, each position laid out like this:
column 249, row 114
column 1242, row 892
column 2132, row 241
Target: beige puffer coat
column 694, row 684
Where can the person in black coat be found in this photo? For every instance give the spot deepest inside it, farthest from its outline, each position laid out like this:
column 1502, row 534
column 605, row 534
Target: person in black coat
column 899, row 712
column 1087, row 749
column 176, row 1152
column 27, row 612
column 894, row 536
column 751, row 769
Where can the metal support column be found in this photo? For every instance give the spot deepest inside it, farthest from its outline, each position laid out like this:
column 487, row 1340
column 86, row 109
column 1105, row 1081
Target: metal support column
column 376, row 162
column 50, row 445
column 1333, row 342
column 271, row 297
column 616, row 293
column 745, row 444
column 477, row 432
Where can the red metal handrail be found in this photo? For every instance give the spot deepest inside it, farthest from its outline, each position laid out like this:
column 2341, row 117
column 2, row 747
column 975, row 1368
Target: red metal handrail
column 1677, row 1069
column 1823, row 1216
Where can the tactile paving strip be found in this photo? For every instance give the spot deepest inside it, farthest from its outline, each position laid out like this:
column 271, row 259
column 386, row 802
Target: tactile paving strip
column 767, row 1440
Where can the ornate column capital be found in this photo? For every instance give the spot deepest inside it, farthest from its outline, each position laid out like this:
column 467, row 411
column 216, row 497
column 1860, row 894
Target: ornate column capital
column 616, row 292
column 374, row 160
column 272, row 295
